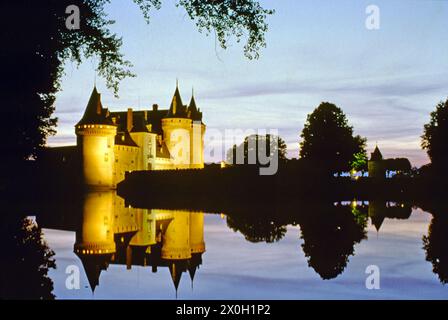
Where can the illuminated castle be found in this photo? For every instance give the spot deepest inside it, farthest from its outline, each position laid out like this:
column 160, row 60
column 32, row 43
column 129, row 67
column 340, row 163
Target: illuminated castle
column 113, row 233
column 112, row 143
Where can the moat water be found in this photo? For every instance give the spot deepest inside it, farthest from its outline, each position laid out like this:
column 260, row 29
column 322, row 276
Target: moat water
column 324, row 255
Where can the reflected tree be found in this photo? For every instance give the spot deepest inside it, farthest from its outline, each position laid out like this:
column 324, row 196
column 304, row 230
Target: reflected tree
column 257, row 228
column 329, row 234
column 436, row 246
column 26, row 261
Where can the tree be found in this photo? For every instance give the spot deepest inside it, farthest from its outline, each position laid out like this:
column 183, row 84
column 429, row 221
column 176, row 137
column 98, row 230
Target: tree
column 400, row 165
column 26, row 261
column 248, row 151
column 435, row 135
column 38, row 42
column 435, row 245
column 257, row 228
column 328, row 141
column 329, row 235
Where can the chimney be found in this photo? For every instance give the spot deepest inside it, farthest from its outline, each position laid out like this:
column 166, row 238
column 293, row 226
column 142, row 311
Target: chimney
column 130, row 120
column 155, row 107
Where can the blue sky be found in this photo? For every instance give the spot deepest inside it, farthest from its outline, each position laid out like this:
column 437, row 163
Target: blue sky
column 386, row 81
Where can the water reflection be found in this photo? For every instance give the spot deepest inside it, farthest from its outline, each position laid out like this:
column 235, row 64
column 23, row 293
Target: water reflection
column 435, row 243
column 329, row 230
column 112, row 232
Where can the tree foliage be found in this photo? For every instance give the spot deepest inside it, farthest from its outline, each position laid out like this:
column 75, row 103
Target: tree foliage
column 435, row 245
column 249, row 150
column 37, row 44
column 435, row 136
column 328, row 141
column 26, row 261
column 329, row 235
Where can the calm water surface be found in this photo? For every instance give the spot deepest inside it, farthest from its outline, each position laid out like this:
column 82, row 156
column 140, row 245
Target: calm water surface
column 229, row 264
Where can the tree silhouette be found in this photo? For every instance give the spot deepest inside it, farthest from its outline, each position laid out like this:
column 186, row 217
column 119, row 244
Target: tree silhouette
column 329, row 234
column 257, row 228
column 26, row 261
column 254, row 144
column 38, row 43
column 436, row 246
column 328, row 141
column 435, row 136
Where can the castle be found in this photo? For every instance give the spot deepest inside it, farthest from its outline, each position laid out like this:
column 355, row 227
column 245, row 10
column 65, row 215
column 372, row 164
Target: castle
column 112, row 232
column 113, row 143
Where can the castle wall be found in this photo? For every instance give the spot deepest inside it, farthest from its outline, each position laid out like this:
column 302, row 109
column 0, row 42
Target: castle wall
column 126, row 159
column 125, row 218
column 163, row 164
column 197, row 232
column 197, row 145
column 144, row 141
column 146, row 235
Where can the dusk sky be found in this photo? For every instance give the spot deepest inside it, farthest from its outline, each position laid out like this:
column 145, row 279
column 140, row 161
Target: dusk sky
column 387, row 81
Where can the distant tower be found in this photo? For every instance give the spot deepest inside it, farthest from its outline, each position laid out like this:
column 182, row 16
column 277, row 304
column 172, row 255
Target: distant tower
column 96, row 138
column 377, row 213
column 376, row 165
column 142, row 137
column 196, row 135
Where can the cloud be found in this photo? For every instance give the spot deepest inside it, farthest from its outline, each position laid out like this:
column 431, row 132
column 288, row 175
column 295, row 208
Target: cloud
column 385, row 87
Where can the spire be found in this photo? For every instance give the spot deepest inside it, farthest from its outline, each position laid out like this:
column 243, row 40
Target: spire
column 93, row 265
column 376, row 154
column 377, row 221
column 176, row 274
column 193, row 111
column 177, row 109
column 94, row 113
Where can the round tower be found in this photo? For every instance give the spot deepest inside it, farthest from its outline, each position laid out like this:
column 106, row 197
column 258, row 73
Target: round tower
column 176, row 239
column 176, row 127
column 96, row 236
column 95, row 244
column 197, row 243
column 95, row 139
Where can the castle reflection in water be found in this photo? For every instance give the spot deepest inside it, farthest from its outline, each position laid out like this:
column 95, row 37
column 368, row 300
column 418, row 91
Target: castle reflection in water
column 112, row 232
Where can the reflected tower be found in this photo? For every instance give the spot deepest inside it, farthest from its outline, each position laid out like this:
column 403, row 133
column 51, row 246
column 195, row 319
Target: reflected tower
column 95, row 241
